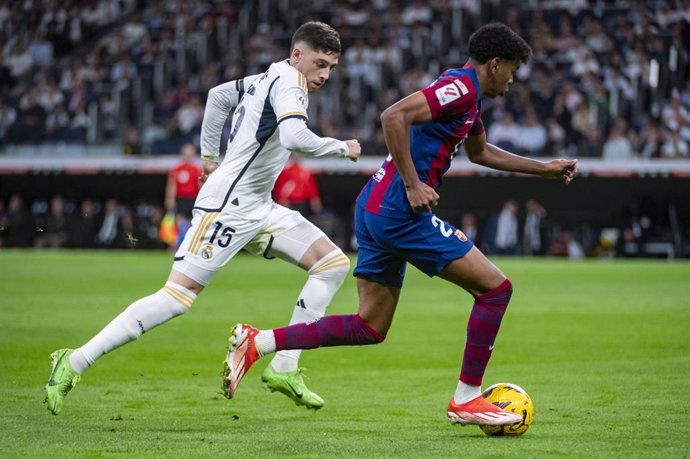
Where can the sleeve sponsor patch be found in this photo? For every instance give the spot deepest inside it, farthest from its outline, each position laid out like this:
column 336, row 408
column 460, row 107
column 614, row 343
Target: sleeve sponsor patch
column 450, row 92
column 301, row 101
column 447, row 94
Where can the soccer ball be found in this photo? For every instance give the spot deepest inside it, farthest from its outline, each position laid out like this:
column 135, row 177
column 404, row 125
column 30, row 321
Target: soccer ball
column 513, row 398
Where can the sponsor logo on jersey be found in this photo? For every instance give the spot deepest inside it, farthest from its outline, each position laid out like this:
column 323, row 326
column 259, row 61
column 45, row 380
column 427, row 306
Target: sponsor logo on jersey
column 380, row 174
column 207, row 252
column 301, row 101
column 447, row 94
column 460, row 235
column 461, row 86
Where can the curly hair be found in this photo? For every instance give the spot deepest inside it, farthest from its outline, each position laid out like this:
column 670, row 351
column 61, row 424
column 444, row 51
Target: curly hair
column 498, row 40
column 318, row 36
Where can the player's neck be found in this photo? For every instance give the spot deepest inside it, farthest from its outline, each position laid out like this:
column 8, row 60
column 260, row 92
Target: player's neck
column 482, row 73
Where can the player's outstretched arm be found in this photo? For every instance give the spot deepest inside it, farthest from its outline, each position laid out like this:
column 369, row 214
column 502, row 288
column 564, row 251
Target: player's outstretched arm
column 297, row 137
column 479, row 151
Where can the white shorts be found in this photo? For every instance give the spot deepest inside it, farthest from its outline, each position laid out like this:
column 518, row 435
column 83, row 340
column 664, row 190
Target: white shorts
column 215, row 237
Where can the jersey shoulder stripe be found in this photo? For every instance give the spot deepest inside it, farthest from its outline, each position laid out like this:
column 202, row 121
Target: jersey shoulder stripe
column 290, row 76
column 290, row 95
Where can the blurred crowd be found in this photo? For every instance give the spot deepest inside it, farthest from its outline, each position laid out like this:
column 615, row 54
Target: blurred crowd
column 608, row 78
column 524, row 229
column 58, row 223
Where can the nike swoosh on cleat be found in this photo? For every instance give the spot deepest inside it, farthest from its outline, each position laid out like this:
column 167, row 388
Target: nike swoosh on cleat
column 51, row 381
column 297, row 394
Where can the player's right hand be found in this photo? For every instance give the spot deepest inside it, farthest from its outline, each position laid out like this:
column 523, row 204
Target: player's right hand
column 354, row 150
column 422, row 197
column 206, row 169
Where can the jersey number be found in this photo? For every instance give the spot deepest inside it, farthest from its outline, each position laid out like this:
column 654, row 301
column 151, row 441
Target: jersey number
column 240, row 116
column 225, row 235
column 441, row 225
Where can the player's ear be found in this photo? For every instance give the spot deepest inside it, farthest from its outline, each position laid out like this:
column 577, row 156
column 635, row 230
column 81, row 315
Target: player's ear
column 296, row 54
column 493, row 65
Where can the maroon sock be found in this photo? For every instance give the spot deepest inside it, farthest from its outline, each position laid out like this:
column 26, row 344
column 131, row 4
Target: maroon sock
column 336, row 330
column 482, row 329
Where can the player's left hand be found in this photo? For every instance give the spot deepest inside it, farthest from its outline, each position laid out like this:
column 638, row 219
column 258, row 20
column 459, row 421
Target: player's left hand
column 206, row 169
column 565, row 169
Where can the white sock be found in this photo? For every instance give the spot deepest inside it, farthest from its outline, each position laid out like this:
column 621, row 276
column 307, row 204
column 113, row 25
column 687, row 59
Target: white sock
column 325, row 278
column 464, row 392
column 141, row 316
column 265, row 342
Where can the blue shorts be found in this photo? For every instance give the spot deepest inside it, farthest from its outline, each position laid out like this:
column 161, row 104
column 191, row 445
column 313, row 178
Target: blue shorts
column 386, row 244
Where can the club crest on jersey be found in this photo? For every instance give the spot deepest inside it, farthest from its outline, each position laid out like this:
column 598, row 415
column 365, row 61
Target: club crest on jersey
column 207, row 252
column 460, row 235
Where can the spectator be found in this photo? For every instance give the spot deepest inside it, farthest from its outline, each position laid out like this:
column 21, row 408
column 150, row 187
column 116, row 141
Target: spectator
column 54, row 232
column 587, row 133
column 183, row 183
column 532, row 137
column 556, row 137
column 296, row 188
column 506, row 241
column 618, row 146
column 41, row 50
column 532, row 234
column 188, row 117
column 108, row 232
column 8, row 116
column 567, row 246
column 468, row 225
column 650, row 140
column 505, row 132
column 675, row 146
column 84, row 226
column 19, row 227
column 676, row 117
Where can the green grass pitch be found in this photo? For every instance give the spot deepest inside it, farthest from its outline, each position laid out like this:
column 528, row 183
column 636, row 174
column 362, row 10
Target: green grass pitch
column 601, row 346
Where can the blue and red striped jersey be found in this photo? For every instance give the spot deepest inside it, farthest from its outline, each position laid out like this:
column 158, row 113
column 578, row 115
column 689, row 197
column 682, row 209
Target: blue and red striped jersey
column 455, row 103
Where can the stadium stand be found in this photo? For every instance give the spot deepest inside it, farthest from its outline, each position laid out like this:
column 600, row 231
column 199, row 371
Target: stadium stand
column 81, row 81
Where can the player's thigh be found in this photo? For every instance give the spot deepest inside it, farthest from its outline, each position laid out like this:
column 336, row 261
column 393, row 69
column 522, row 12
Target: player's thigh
column 291, row 237
column 302, row 245
column 427, row 242
column 376, row 262
column 377, row 303
column 212, row 240
column 473, row 272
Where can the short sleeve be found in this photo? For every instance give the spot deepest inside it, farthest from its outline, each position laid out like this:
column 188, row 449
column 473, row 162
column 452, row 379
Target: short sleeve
column 478, row 126
column 450, row 96
column 290, row 99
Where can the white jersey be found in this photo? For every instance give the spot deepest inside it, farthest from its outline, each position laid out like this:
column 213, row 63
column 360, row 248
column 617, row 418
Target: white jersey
column 255, row 156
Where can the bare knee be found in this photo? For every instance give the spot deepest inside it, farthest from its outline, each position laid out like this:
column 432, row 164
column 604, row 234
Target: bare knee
column 186, row 282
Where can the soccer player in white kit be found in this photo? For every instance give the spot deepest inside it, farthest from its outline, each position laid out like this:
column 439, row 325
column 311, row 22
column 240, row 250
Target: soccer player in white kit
column 234, row 211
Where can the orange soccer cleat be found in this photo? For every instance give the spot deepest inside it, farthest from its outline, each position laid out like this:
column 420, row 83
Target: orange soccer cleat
column 479, row 411
column 242, row 353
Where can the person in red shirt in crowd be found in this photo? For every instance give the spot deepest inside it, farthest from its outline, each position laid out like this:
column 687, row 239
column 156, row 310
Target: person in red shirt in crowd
column 183, row 183
column 180, row 193
column 296, row 188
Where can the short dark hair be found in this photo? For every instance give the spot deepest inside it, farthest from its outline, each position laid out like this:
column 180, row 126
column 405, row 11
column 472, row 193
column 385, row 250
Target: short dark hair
column 498, row 40
column 319, row 36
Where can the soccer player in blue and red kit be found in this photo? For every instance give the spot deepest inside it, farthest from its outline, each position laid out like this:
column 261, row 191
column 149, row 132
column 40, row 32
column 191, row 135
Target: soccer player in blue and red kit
column 395, row 224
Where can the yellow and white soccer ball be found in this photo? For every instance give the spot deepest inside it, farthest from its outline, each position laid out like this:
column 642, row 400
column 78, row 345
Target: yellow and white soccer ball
column 513, row 398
